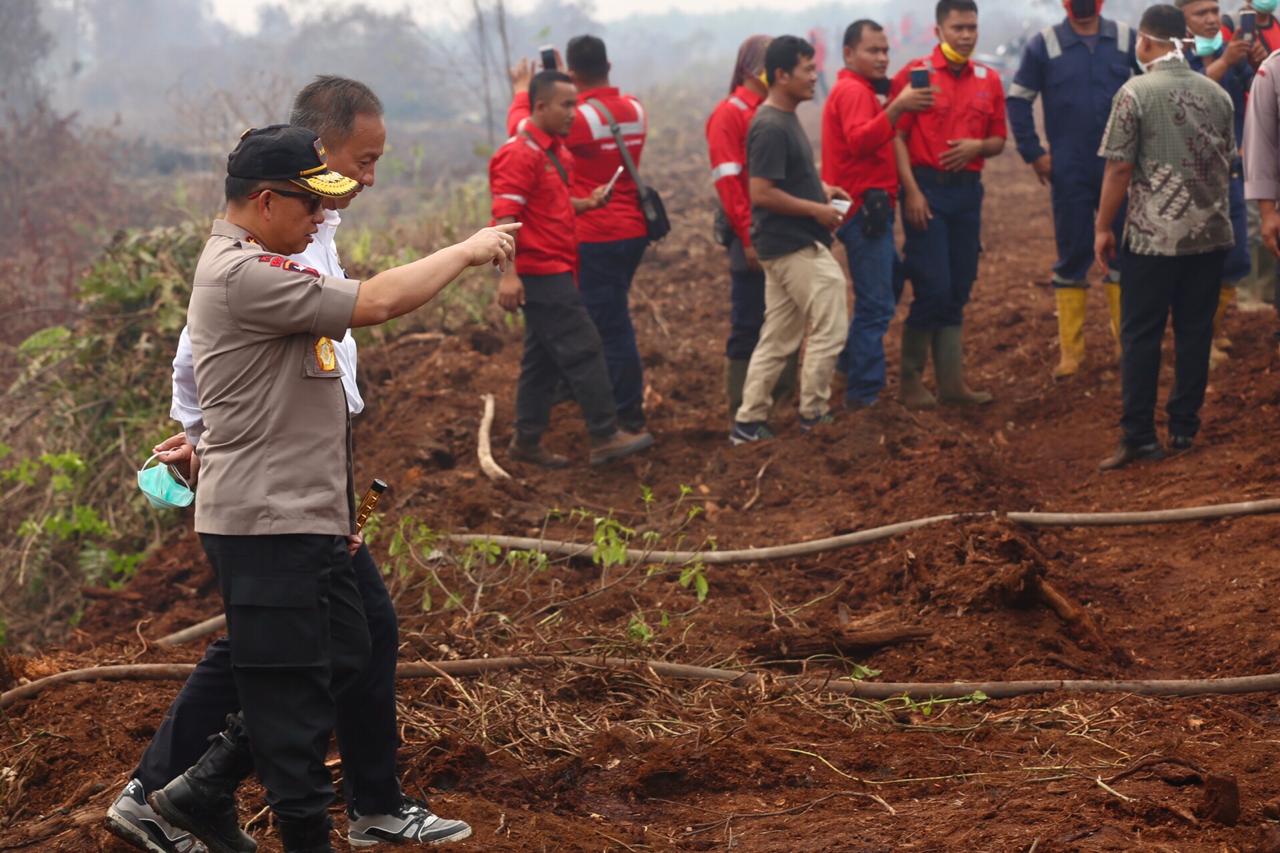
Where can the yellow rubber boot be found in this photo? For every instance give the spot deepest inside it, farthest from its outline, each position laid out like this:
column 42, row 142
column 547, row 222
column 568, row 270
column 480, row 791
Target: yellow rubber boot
column 1071, row 305
column 1113, row 308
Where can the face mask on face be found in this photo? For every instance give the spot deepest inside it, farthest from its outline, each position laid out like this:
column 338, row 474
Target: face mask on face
column 1081, row 9
column 164, row 487
column 1208, row 46
column 1265, row 6
column 1171, row 56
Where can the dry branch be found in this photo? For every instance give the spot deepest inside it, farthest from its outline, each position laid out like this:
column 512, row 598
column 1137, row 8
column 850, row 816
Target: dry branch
column 194, row 632
column 805, row 643
column 491, row 468
column 918, row 691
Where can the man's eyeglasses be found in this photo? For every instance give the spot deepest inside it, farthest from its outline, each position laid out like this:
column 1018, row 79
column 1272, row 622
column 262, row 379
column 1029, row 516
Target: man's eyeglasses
column 311, row 200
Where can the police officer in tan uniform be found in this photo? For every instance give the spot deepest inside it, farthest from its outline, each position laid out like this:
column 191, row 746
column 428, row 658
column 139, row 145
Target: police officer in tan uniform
column 274, row 508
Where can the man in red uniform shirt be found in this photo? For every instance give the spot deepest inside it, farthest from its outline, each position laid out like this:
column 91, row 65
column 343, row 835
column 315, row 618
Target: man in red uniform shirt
column 530, row 178
column 1267, row 30
column 857, row 156
column 612, row 238
column 940, row 154
column 727, row 129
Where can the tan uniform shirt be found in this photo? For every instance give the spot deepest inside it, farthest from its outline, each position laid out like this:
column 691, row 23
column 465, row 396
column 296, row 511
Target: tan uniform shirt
column 275, row 457
column 1262, row 134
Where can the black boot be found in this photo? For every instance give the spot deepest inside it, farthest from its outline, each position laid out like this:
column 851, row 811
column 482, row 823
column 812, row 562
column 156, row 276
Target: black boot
column 202, row 800
column 306, row 836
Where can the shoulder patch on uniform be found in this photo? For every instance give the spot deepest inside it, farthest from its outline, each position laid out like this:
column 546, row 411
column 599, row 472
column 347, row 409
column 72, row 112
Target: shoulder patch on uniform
column 980, row 71
column 287, row 264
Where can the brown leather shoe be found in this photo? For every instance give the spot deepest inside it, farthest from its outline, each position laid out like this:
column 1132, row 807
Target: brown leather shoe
column 618, row 445
column 536, row 454
column 1126, row 454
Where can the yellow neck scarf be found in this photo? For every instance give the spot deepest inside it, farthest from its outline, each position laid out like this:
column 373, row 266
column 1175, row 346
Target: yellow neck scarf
column 950, row 53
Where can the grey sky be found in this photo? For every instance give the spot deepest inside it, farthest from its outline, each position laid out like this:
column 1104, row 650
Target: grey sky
column 243, row 14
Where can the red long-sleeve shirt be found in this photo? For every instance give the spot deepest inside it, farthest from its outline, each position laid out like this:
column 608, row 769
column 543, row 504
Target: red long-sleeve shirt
column 968, row 105
column 527, row 186
column 727, row 144
column 596, row 154
column 857, row 140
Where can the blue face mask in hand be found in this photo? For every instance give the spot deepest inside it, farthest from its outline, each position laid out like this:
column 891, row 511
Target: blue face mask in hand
column 1208, row 46
column 164, row 487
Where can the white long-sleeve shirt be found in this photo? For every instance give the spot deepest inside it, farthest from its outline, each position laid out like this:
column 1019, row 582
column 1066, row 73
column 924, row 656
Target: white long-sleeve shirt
column 322, row 254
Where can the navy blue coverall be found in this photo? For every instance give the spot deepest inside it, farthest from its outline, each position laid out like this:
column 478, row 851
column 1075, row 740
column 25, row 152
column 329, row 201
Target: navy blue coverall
column 1236, row 81
column 1078, row 81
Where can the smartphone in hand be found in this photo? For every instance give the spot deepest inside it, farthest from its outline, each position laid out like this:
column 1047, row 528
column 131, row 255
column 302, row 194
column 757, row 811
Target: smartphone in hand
column 548, row 53
column 1248, row 24
column 608, row 188
column 919, row 78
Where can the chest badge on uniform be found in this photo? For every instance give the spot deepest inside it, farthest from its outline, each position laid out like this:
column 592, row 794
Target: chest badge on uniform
column 326, row 357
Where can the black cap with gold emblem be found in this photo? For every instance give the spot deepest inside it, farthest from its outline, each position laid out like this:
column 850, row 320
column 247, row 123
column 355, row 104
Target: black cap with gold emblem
column 283, row 152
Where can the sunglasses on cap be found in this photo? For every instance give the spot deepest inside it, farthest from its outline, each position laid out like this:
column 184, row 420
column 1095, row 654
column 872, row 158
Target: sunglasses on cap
column 312, row 201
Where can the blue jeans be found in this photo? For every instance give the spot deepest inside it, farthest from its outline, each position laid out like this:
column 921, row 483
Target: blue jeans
column 871, row 263
column 942, row 260
column 605, row 271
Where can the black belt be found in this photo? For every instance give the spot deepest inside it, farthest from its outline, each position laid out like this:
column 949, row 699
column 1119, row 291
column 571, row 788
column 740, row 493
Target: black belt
column 936, row 178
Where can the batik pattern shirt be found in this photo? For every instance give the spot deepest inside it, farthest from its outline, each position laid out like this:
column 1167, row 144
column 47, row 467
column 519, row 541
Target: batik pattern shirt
column 1176, row 127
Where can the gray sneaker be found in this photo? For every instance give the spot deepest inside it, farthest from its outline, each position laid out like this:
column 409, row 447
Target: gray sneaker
column 415, row 823
column 134, row 822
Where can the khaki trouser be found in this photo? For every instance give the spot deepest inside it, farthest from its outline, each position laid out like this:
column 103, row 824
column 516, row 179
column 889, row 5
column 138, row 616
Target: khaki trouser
column 804, row 288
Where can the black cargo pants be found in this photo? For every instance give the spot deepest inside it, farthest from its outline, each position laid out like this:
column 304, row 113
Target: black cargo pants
column 560, row 340
column 298, row 638
column 366, row 714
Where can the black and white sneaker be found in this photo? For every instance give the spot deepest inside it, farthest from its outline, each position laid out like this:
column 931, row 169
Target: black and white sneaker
column 132, row 820
column 746, row 433
column 414, row 823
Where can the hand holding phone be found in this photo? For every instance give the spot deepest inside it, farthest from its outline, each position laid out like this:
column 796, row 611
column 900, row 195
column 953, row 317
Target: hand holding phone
column 1248, row 24
column 548, row 53
column 608, row 188
column 919, row 78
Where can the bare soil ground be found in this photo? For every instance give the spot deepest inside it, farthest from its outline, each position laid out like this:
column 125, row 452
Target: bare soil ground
column 587, row 760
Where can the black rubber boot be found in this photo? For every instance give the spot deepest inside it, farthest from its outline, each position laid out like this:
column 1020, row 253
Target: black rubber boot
column 202, row 800
column 306, row 836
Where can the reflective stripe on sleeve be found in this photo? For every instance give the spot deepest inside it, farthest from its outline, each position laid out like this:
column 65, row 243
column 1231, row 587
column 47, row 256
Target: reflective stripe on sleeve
column 1017, row 90
column 738, row 102
column 726, row 170
column 1051, row 44
column 1122, row 37
column 518, row 199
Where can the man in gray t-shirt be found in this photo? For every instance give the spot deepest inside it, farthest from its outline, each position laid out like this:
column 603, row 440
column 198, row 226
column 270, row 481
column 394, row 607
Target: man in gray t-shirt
column 779, row 151
column 792, row 220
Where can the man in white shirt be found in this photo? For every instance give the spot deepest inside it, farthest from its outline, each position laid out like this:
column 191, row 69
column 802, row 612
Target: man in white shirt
column 348, row 118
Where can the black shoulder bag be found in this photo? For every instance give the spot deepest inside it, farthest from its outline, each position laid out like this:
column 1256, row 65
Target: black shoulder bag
column 651, row 206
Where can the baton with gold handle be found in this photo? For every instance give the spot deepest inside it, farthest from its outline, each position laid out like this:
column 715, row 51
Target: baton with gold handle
column 369, row 503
